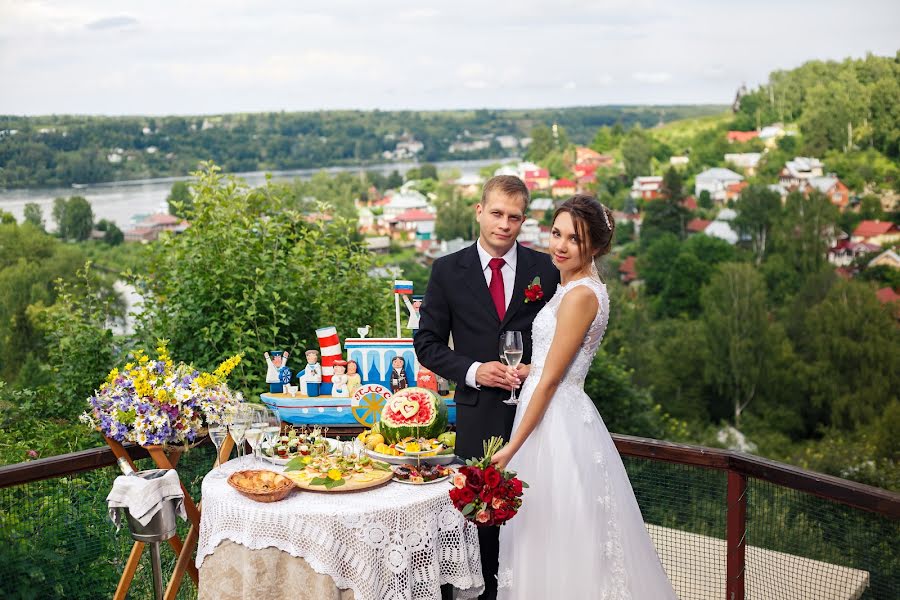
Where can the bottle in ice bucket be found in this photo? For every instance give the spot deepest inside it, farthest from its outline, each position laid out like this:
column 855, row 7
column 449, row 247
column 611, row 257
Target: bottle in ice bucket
column 125, row 466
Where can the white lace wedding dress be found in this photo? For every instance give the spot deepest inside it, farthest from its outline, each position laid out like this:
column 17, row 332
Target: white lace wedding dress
column 579, row 533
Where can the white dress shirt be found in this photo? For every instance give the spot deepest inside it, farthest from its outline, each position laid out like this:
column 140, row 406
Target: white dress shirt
column 508, row 271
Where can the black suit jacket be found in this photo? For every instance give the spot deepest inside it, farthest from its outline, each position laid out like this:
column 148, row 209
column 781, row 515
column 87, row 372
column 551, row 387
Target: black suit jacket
column 457, row 301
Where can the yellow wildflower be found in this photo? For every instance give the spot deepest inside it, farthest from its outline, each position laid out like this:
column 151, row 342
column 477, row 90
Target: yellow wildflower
column 335, row 474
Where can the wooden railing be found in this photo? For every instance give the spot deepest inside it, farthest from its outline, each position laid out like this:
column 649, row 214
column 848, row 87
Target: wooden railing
column 738, row 466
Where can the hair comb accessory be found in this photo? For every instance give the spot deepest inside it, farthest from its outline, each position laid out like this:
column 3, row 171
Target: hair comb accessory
column 605, row 216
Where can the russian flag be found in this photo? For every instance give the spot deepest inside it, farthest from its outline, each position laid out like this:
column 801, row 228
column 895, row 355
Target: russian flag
column 401, row 286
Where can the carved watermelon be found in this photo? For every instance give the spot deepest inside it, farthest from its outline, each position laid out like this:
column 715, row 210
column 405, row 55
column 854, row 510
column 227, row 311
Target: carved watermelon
column 413, row 412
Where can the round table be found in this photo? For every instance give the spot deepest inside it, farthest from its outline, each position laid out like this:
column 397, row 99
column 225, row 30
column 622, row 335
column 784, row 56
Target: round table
column 397, row 541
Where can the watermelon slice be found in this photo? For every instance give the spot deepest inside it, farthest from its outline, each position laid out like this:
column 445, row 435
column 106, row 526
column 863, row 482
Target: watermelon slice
column 413, row 412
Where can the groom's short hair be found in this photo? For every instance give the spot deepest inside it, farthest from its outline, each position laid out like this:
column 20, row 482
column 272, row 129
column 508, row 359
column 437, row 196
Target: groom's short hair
column 508, row 185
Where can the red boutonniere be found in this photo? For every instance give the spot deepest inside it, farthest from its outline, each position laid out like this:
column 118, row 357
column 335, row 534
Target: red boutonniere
column 533, row 292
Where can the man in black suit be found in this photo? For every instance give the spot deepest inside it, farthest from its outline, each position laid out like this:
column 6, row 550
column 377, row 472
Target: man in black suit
column 475, row 294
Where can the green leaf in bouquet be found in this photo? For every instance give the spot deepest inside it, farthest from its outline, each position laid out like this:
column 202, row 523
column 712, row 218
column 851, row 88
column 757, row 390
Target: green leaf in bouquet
column 468, row 509
column 525, row 485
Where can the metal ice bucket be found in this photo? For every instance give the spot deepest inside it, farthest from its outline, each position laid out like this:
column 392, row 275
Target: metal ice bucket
column 162, row 525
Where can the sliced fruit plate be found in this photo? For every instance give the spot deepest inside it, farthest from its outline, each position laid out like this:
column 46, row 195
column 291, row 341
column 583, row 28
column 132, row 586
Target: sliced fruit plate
column 284, row 454
column 422, row 474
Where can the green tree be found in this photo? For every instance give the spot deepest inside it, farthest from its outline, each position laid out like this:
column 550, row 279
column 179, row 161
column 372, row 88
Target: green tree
column 637, row 150
column 802, row 233
column 112, row 235
column 34, row 215
column 75, row 218
column 179, row 200
column 854, row 349
column 542, row 143
column 606, row 139
column 80, row 345
column 251, row 274
column 30, row 263
column 734, row 313
column 758, row 209
column 455, row 216
column 7, row 218
column 831, row 109
column 394, row 180
column 666, row 214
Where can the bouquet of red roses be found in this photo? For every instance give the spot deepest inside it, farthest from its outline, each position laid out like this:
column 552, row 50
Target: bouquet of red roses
column 485, row 495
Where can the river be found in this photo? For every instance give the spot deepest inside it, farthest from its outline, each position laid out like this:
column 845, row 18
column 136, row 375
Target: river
column 121, row 201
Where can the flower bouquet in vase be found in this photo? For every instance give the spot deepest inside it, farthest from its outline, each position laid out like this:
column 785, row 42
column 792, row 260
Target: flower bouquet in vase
column 156, row 402
column 484, row 494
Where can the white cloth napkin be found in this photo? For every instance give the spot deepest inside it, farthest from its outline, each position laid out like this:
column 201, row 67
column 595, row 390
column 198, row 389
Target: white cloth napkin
column 144, row 497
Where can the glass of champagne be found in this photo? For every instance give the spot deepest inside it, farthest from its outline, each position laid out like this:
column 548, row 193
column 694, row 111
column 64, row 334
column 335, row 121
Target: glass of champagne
column 272, row 430
column 236, row 430
column 217, row 436
column 511, row 343
column 253, row 435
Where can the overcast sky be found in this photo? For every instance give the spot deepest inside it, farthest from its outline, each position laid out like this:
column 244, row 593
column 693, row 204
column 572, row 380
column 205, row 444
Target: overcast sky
column 199, row 56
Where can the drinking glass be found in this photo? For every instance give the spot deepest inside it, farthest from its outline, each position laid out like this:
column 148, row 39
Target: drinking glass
column 237, row 429
column 271, row 430
column 511, row 342
column 217, row 436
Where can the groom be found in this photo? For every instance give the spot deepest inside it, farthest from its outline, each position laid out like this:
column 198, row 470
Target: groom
column 475, row 294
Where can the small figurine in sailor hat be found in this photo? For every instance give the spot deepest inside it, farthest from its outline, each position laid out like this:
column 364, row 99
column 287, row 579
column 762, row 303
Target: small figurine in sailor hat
column 277, row 371
column 311, row 377
column 340, row 380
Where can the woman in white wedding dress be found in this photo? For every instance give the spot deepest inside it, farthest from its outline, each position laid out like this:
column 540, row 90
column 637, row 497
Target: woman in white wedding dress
column 579, row 533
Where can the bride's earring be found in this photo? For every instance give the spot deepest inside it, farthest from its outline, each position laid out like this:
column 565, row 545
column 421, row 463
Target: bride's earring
column 594, row 272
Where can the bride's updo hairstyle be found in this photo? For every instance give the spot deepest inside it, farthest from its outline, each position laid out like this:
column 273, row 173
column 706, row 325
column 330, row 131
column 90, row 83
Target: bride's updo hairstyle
column 594, row 225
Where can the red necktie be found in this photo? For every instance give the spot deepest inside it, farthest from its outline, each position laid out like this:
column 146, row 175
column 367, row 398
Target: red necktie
column 498, row 294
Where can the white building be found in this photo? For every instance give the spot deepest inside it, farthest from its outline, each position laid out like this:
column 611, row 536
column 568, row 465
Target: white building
column 404, row 201
column 800, row 170
column 508, row 142
column 646, row 187
column 679, row 161
column 716, row 182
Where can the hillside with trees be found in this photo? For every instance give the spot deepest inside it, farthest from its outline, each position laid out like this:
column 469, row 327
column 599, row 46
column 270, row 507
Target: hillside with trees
column 62, row 150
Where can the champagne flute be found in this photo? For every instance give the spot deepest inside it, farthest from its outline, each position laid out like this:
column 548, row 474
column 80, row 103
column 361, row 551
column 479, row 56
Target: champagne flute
column 217, row 436
column 236, row 430
column 272, row 430
column 253, row 435
column 512, row 351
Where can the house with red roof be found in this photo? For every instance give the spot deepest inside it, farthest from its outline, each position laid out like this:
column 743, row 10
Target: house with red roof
column 587, row 156
column 832, row 187
column 742, row 136
column 882, row 233
column 697, row 226
column 646, row 188
column 413, row 223
column 844, row 252
column 584, row 170
column 149, row 228
column 690, row 203
column 889, row 296
column 562, row 188
column 628, row 271
column 539, row 177
column 733, row 190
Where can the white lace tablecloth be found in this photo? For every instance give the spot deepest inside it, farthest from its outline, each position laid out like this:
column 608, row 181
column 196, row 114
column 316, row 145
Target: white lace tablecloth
column 394, row 542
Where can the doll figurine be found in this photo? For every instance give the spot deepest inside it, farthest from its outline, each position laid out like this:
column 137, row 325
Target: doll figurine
column 354, row 381
column 339, row 380
column 311, row 377
column 413, row 308
column 398, row 374
column 277, row 368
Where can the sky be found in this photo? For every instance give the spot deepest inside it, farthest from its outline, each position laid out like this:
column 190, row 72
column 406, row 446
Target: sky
column 206, row 57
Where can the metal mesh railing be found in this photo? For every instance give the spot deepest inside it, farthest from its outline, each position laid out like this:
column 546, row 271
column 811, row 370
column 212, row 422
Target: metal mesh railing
column 684, row 508
column 803, row 546
column 56, row 539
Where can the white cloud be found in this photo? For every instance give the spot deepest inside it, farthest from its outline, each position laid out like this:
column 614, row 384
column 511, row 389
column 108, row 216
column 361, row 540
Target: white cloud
column 219, row 55
column 656, row 77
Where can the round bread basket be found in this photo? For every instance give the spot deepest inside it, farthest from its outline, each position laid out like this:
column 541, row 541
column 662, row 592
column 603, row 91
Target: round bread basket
column 273, row 494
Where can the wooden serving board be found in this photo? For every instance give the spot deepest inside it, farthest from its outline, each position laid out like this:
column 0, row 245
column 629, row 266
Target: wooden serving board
column 378, row 478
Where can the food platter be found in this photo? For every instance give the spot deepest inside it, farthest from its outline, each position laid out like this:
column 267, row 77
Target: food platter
column 337, row 474
column 261, row 485
column 439, row 459
column 421, row 474
column 333, row 446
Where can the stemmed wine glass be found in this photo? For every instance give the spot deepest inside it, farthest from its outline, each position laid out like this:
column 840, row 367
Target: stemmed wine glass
column 255, row 434
column 271, row 429
column 511, row 349
column 238, row 428
column 217, row 435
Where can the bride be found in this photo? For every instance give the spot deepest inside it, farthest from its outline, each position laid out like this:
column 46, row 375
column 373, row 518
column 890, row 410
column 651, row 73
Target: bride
column 579, row 533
